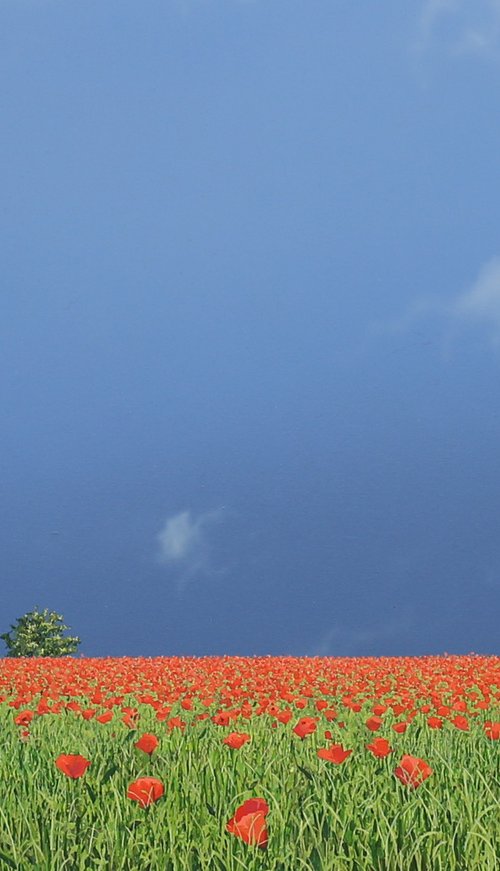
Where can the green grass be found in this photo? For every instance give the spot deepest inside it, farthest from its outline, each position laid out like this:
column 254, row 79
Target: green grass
column 352, row 817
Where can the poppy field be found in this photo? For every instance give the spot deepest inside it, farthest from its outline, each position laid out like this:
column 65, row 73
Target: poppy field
column 239, row 764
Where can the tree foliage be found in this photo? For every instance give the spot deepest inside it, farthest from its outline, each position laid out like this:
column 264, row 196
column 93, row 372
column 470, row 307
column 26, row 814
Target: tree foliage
column 39, row 633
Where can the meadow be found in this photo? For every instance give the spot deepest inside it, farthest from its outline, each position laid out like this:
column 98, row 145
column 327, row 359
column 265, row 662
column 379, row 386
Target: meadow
column 250, row 764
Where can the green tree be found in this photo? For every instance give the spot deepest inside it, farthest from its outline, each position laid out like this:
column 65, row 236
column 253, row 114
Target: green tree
column 39, row 633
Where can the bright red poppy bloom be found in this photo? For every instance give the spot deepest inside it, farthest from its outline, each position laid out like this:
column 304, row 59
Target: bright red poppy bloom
column 492, row 730
column 24, row 718
column 398, row 709
column 246, row 711
column 442, row 710
column 249, row 822
column 329, row 714
column 236, row 740
column 88, row 714
column 335, row 754
column 305, row 726
column 145, row 790
column 374, row 723
column 378, row 710
column 412, row 771
column 434, row 723
column 400, row 727
column 176, row 723
column 221, row 719
column 380, row 747
column 461, row 723
column 72, row 765
column 147, row 743
column 163, row 713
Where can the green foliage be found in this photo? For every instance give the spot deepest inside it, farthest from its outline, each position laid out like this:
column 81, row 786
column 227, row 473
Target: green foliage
column 39, row 633
column 351, row 817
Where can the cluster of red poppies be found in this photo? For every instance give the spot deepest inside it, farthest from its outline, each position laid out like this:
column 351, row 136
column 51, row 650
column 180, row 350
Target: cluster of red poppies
column 452, row 689
column 248, row 822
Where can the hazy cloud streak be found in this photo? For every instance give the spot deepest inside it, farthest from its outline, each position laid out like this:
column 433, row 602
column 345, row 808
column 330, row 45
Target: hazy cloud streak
column 460, row 27
column 477, row 306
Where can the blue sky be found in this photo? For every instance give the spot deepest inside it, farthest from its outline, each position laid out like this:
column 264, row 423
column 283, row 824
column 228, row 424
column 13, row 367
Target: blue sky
column 250, row 324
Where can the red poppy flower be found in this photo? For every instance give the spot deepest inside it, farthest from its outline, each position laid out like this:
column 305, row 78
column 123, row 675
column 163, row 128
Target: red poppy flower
column 105, row 718
column 176, row 723
column 492, row 730
column 398, row 709
column 434, row 723
column 147, row 743
column 378, row 710
column 329, row 714
column 72, row 765
column 145, row 790
column 24, row 718
column 442, row 710
column 380, row 747
column 249, row 822
column 305, row 726
column 163, row 713
column 461, row 723
column 88, row 714
column 236, row 740
column 221, row 719
column 412, row 771
column 400, row 727
column 374, row 723
column 335, row 754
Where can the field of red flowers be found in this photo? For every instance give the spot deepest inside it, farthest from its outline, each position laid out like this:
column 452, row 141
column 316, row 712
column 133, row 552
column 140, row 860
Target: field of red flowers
column 215, row 764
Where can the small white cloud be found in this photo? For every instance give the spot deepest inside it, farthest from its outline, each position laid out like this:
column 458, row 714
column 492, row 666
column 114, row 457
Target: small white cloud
column 179, row 537
column 183, row 545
